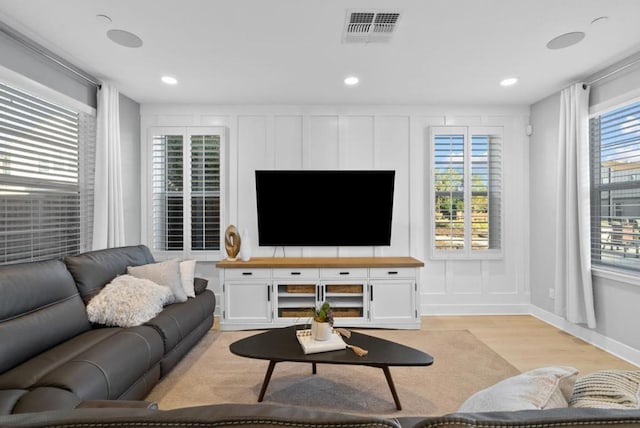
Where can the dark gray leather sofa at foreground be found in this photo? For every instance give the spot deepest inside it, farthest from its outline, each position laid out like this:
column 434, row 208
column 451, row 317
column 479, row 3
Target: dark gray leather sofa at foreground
column 52, row 357
column 269, row 416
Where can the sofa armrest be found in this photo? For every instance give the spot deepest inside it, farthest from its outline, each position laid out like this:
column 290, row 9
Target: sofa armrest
column 199, row 285
column 221, row 415
column 565, row 417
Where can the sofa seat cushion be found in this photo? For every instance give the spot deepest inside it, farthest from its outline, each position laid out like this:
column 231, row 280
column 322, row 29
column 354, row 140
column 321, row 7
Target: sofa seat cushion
column 106, row 370
column 46, row 398
column 36, row 400
column 29, row 373
column 176, row 321
column 97, row 365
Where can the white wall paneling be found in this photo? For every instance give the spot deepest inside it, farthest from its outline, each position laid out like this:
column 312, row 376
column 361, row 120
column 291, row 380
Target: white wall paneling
column 392, row 151
column 374, row 137
column 324, row 140
column 287, row 141
column 356, row 142
column 255, row 151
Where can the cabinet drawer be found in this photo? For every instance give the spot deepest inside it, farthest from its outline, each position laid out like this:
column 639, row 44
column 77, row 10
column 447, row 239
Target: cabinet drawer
column 247, row 273
column 293, row 273
column 392, row 272
column 343, row 273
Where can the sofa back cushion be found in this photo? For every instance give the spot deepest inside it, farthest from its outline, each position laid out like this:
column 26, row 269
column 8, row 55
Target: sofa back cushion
column 39, row 308
column 95, row 269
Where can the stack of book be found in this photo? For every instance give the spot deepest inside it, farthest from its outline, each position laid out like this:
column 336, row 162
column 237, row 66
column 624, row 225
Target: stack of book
column 310, row 346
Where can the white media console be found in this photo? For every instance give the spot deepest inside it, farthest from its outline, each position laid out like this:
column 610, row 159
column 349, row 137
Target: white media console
column 270, row 292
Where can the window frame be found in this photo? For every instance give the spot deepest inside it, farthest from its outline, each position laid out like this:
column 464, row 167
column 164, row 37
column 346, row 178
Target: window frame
column 616, row 273
column 84, row 156
column 147, row 182
column 467, row 253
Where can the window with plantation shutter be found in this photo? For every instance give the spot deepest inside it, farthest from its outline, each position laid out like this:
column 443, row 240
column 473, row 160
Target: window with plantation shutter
column 185, row 190
column 46, row 178
column 466, row 192
column 615, row 189
column 205, row 192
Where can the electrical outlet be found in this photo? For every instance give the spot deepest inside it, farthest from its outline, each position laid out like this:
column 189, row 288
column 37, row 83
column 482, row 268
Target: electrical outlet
column 552, row 293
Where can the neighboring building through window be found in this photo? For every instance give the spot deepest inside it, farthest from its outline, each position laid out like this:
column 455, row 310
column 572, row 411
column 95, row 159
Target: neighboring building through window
column 466, row 192
column 615, row 188
column 185, row 190
column 46, row 178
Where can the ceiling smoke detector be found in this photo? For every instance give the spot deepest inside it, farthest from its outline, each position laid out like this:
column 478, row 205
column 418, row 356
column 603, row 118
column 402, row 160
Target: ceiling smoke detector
column 367, row 26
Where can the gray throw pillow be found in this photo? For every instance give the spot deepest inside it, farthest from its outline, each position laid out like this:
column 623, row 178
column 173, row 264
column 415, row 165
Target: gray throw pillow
column 542, row 388
column 165, row 273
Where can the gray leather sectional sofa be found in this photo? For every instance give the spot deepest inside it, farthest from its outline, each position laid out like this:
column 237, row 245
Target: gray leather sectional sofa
column 52, row 357
column 270, row 416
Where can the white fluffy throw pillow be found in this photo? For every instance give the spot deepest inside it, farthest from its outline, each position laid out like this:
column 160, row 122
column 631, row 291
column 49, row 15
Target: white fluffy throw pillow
column 187, row 273
column 543, row 388
column 164, row 273
column 128, row 301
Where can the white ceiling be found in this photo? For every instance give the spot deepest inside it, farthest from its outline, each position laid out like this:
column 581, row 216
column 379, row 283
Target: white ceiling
column 291, row 51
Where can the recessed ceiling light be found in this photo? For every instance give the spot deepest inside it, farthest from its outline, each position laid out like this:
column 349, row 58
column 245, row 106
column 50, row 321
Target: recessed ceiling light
column 351, row 80
column 509, row 81
column 169, row 80
column 565, row 40
column 124, row 38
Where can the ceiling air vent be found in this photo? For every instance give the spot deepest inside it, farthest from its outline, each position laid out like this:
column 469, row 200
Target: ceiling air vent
column 370, row 26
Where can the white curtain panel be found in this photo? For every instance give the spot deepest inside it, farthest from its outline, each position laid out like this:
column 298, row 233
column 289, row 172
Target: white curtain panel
column 108, row 223
column 574, row 290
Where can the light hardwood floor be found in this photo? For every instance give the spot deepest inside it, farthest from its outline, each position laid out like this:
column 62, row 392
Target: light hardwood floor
column 527, row 342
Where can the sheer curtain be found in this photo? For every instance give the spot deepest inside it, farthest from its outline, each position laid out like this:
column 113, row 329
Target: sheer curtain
column 108, row 217
column 574, row 290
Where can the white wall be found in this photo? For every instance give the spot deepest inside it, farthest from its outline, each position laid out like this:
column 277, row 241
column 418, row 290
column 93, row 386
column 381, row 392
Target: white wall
column 616, row 302
column 33, row 66
column 543, row 155
column 130, row 155
column 375, row 137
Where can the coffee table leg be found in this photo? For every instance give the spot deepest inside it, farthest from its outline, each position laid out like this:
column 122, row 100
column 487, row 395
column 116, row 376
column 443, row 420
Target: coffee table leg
column 267, row 378
column 392, row 387
column 313, row 368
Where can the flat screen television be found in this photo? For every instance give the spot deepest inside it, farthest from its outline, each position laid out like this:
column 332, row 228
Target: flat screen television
column 324, row 208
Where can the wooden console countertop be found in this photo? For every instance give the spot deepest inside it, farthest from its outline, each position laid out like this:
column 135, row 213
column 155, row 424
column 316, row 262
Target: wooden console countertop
column 320, row 262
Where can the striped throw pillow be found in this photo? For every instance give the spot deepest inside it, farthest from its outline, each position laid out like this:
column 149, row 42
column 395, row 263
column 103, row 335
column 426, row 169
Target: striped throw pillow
column 607, row 389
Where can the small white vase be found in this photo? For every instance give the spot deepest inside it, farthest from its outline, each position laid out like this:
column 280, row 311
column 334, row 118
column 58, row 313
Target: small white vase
column 321, row 330
column 245, row 246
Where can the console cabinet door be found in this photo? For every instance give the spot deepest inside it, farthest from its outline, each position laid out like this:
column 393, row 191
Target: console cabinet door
column 247, row 302
column 392, row 301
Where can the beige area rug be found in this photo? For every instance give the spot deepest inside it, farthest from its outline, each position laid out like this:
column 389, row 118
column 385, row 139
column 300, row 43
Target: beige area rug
column 211, row 374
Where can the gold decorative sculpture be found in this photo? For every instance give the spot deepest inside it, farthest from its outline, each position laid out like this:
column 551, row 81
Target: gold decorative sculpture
column 232, row 242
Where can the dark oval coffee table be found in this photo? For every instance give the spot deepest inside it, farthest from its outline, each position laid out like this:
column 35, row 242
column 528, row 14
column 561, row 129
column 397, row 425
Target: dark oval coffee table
column 280, row 344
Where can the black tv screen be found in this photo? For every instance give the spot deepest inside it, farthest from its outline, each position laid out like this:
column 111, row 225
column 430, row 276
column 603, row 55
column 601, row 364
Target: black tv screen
column 324, row 208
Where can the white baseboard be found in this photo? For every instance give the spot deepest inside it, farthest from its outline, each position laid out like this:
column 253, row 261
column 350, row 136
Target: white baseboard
column 510, row 309
column 601, row 341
